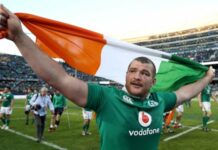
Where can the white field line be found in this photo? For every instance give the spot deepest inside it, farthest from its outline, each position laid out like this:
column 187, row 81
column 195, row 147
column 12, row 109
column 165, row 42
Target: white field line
column 215, row 130
column 185, row 132
column 34, row 139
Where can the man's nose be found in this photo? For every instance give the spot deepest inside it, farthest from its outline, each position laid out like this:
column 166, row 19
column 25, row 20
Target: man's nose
column 137, row 75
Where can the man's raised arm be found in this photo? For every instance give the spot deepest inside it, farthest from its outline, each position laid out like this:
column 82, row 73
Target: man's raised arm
column 45, row 67
column 189, row 91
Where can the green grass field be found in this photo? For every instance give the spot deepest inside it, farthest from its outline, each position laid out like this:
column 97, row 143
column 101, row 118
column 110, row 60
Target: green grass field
column 68, row 135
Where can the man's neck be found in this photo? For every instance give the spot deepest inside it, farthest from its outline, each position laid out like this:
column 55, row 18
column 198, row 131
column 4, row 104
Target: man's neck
column 138, row 97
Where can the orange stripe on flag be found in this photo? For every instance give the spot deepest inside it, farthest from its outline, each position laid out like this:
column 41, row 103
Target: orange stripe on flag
column 80, row 48
column 170, row 117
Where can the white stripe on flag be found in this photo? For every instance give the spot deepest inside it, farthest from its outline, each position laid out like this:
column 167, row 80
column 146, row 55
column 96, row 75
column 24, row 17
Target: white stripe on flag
column 117, row 55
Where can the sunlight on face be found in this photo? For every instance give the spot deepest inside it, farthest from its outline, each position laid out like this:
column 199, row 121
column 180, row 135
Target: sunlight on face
column 139, row 78
column 43, row 91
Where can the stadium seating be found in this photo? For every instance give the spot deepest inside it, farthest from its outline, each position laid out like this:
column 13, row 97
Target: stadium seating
column 16, row 73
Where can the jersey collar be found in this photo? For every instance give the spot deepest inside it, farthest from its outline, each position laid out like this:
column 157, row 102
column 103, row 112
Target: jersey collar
column 149, row 102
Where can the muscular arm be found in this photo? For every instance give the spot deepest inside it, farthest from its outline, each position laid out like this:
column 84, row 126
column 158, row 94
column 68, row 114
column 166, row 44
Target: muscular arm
column 189, row 91
column 199, row 100
column 46, row 68
column 214, row 98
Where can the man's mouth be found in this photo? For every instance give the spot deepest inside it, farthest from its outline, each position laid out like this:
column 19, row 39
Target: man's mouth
column 136, row 84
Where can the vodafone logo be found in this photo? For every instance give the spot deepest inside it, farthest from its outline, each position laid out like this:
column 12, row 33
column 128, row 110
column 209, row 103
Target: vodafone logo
column 144, row 119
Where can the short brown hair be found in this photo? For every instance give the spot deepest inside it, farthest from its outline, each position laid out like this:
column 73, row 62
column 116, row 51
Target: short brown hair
column 145, row 60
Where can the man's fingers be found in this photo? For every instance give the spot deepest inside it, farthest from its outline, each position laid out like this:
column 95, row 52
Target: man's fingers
column 3, row 19
column 4, row 11
column 212, row 69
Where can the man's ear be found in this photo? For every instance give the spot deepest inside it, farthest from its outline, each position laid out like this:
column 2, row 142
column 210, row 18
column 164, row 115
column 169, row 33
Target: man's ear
column 154, row 81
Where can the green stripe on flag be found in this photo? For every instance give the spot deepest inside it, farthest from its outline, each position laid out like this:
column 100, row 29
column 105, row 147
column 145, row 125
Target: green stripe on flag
column 176, row 73
column 188, row 63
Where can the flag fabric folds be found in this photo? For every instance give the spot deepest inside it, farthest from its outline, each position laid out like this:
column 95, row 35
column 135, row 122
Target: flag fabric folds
column 80, row 48
column 96, row 54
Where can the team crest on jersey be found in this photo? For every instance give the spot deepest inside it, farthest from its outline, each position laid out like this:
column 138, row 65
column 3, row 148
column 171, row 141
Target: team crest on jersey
column 127, row 99
column 144, row 119
column 152, row 103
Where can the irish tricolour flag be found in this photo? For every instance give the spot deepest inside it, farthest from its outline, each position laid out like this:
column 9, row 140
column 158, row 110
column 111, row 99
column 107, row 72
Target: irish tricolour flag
column 95, row 54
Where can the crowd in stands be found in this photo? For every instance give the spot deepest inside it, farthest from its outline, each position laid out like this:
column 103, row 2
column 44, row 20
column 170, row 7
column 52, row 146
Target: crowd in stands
column 15, row 73
column 198, row 44
column 205, row 55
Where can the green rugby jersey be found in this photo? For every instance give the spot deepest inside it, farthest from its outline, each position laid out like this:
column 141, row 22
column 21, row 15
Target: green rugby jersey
column 28, row 97
column 8, row 97
column 124, row 121
column 59, row 101
column 205, row 94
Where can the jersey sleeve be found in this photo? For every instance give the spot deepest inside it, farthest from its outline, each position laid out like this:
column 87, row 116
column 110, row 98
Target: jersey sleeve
column 169, row 99
column 9, row 96
column 12, row 97
column 95, row 97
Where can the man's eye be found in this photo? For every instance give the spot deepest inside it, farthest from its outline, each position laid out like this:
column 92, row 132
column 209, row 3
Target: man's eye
column 145, row 73
column 132, row 71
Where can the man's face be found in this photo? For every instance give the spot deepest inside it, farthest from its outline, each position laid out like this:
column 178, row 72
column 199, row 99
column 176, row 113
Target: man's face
column 43, row 92
column 57, row 92
column 6, row 90
column 139, row 78
column 29, row 90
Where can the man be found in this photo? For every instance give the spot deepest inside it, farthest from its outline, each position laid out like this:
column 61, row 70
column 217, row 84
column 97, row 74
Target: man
column 87, row 116
column 39, row 103
column 128, row 119
column 179, row 113
column 205, row 105
column 27, row 105
column 167, row 121
column 59, row 102
column 7, row 99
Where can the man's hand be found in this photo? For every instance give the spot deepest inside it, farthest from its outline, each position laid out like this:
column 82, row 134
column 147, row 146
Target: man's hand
column 10, row 26
column 10, row 108
column 210, row 73
column 200, row 105
column 2, row 99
